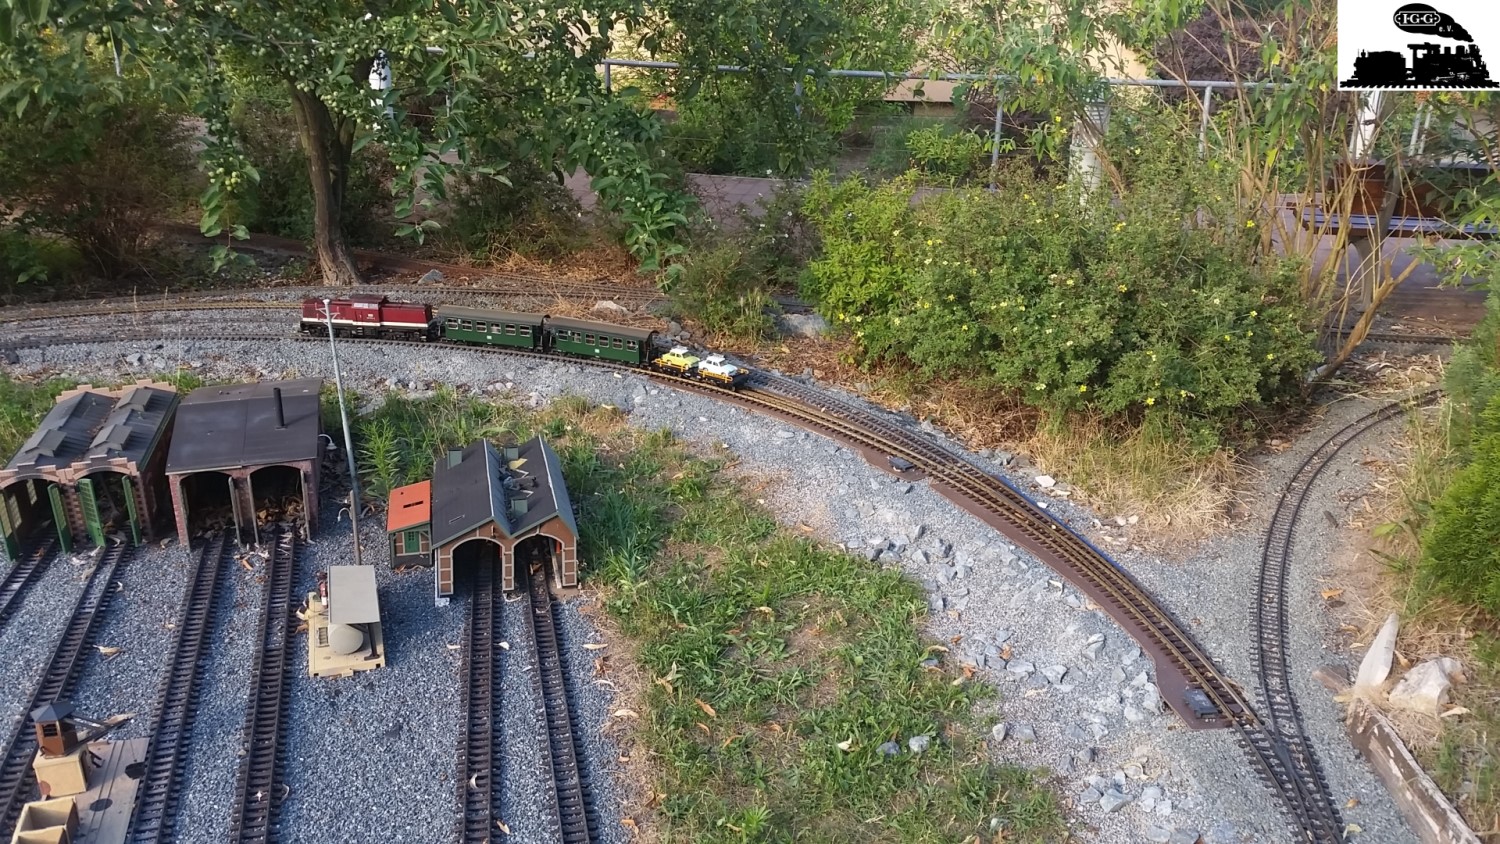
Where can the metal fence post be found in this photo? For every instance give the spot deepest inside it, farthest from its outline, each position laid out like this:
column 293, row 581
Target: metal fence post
column 1088, row 132
column 797, row 96
column 995, row 152
column 607, row 81
column 1208, row 100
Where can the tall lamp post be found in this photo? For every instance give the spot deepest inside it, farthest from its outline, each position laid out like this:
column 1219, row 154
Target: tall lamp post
column 338, row 384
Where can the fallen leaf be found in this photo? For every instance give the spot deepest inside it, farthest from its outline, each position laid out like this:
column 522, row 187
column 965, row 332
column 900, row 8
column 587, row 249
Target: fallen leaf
column 474, row 781
column 501, row 825
column 774, row 727
column 505, row 646
column 1353, row 829
column 594, row 647
column 1005, row 652
column 1455, row 712
column 704, row 727
column 108, row 650
column 1330, row 594
column 662, row 681
column 624, row 713
column 1352, row 803
column 627, row 822
column 705, row 707
column 846, row 745
column 452, row 647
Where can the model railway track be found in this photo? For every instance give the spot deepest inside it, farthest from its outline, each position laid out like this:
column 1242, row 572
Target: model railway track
column 1270, row 623
column 22, row 575
column 260, row 785
column 17, row 780
column 155, row 816
column 573, row 808
column 479, row 760
column 1158, row 632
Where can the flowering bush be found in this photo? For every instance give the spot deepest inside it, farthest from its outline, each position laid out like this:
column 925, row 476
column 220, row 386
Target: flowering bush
column 1155, row 303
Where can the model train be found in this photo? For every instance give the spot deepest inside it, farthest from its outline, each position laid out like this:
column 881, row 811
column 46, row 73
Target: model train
column 370, row 315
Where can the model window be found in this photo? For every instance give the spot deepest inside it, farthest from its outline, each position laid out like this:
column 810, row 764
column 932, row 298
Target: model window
column 510, row 329
column 630, row 344
column 617, row 342
column 452, row 323
column 479, row 326
column 468, row 325
column 31, row 491
column 525, row 331
column 588, row 339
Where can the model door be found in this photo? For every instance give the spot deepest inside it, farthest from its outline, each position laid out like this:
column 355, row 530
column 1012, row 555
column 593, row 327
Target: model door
column 60, row 518
column 130, row 510
column 10, row 520
column 90, row 502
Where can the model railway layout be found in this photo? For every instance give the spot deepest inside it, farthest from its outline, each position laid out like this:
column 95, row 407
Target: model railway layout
column 1189, row 680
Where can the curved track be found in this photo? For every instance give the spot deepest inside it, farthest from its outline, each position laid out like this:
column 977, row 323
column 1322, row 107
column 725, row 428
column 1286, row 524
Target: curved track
column 17, row 780
column 260, row 784
column 573, row 811
column 1190, row 682
column 1270, row 623
column 22, row 575
column 155, row 816
column 480, row 759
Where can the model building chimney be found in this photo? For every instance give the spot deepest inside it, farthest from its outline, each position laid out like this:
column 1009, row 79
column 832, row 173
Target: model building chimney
column 455, row 456
column 55, row 734
column 280, row 412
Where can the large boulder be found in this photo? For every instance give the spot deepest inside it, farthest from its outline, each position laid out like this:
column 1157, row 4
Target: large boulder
column 802, row 325
column 1425, row 688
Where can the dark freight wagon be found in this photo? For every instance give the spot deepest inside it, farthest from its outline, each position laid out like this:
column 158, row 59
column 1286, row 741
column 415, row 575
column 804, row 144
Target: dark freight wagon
column 600, row 340
column 491, row 328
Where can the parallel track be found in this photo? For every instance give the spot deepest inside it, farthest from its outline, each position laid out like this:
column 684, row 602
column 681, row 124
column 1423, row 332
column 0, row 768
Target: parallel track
column 17, row 780
column 260, row 783
column 1272, row 634
column 479, row 761
column 155, row 816
column 573, row 808
column 23, row 574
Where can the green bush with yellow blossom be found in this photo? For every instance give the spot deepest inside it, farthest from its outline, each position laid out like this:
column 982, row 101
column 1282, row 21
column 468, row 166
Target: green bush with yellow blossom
column 1155, row 303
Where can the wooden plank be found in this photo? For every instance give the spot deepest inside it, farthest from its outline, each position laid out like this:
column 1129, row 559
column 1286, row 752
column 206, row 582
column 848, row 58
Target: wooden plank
column 104, row 810
column 1427, row 811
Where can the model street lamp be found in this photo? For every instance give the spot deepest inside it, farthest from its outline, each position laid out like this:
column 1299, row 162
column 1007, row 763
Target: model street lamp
column 338, row 384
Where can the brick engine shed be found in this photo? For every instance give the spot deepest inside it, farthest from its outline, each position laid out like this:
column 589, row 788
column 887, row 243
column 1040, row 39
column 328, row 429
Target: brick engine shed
column 486, row 506
column 94, row 465
column 241, row 450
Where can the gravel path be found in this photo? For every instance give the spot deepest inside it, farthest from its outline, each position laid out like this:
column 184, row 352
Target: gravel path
column 1076, row 695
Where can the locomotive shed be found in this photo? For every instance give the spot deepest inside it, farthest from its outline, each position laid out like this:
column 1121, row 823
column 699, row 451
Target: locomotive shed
column 239, row 446
column 94, row 462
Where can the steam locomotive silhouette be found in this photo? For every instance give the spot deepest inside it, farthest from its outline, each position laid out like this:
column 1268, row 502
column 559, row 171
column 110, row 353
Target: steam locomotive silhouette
column 1433, row 66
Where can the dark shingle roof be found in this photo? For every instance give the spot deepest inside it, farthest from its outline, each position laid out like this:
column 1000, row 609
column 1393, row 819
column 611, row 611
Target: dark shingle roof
column 484, row 486
column 235, row 425
column 93, row 427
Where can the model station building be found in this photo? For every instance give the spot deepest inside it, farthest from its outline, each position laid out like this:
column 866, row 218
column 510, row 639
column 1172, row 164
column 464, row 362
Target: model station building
column 93, row 466
column 486, row 506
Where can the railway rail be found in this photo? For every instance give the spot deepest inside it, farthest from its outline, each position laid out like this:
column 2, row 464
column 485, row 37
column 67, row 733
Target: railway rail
column 23, row 574
column 154, row 818
column 17, row 780
column 480, row 758
column 1189, row 680
column 1270, row 623
column 573, row 809
column 260, row 785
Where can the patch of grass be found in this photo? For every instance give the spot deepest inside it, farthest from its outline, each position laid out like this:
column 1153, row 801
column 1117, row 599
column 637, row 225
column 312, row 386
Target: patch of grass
column 771, row 670
column 22, row 406
column 397, row 443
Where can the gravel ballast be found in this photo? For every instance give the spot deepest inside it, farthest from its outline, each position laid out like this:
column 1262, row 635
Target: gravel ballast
column 1076, row 695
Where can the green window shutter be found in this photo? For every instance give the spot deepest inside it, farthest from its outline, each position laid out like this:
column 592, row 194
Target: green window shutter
column 60, row 519
column 90, row 502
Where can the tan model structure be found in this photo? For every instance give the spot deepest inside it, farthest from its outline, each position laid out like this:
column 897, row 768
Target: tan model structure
column 343, row 624
column 87, row 795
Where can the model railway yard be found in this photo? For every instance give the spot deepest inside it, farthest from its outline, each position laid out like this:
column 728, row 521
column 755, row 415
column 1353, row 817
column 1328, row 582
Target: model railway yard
column 1102, row 661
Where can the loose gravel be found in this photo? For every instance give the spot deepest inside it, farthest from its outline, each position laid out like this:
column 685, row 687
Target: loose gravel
column 1076, row 695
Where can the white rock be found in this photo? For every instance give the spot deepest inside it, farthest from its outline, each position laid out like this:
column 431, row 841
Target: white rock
column 1046, row 481
column 1376, row 666
column 1425, row 688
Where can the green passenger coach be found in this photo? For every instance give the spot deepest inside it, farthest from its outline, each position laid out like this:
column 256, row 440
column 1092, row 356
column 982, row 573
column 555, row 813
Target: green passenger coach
column 600, row 340
column 491, row 328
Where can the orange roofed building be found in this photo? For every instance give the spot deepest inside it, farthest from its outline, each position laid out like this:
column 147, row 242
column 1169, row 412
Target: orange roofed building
column 408, row 522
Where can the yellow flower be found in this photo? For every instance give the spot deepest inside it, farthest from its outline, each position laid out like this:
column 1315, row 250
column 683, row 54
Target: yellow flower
column 859, row 334
column 1083, row 388
column 950, row 297
column 1249, row 224
column 1137, row 150
column 926, row 304
column 896, row 233
column 1226, row 336
column 1182, row 393
column 859, row 318
column 1041, row 386
column 1150, row 400
column 1249, row 333
column 1216, row 300
column 1069, row 343
column 1122, row 288
column 1048, row 331
column 1119, row 226
column 1070, row 282
column 929, row 241
column 1021, row 307
column 1025, row 196
column 966, row 326
column 842, row 318
column 1270, row 356
column 928, row 261
column 896, row 321
column 1253, row 314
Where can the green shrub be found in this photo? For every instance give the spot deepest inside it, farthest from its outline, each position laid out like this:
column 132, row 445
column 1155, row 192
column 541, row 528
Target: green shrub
column 719, row 287
column 947, row 153
column 281, row 202
column 1157, row 303
column 1461, row 545
column 99, row 176
column 534, row 216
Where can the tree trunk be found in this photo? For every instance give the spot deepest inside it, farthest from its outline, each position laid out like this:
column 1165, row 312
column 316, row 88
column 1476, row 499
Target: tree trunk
column 328, row 144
